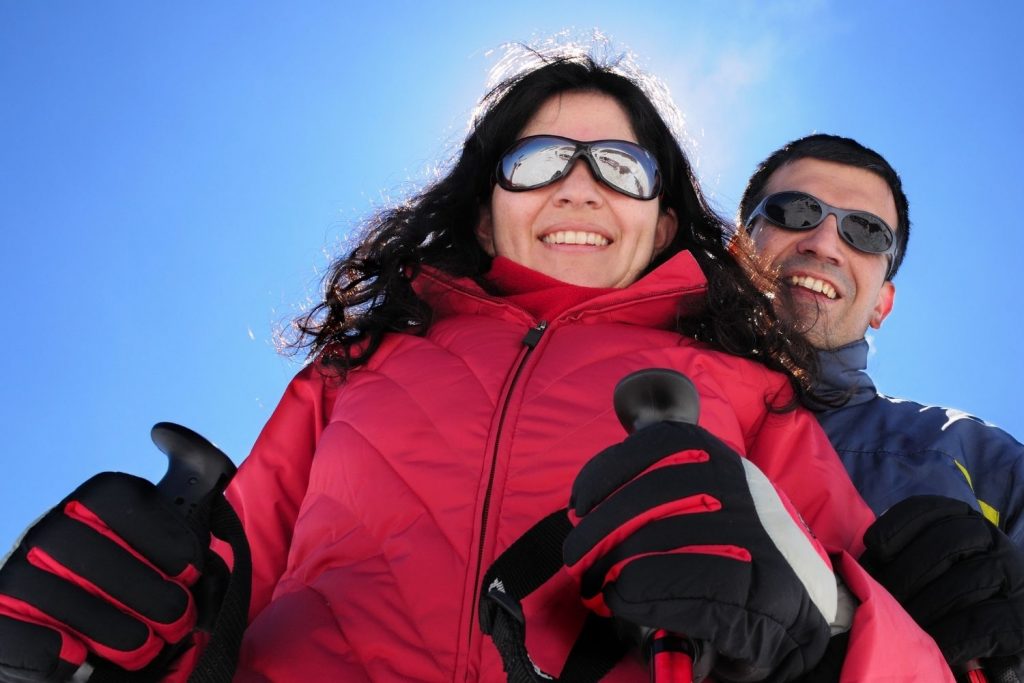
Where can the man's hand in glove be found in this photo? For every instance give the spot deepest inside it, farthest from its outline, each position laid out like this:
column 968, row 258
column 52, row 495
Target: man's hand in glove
column 956, row 574
column 106, row 575
column 677, row 531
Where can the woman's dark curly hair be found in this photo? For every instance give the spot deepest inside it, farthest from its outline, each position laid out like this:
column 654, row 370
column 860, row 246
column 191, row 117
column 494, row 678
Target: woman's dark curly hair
column 368, row 293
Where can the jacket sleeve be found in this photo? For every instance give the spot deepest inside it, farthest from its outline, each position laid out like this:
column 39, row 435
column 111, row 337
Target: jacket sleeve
column 794, row 452
column 271, row 483
column 885, row 643
column 993, row 463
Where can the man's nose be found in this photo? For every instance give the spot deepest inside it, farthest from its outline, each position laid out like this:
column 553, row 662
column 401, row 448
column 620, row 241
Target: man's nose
column 579, row 186
column 824, row 242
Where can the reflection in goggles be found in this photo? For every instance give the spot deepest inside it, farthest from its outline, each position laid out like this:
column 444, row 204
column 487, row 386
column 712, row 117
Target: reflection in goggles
column 540, row 160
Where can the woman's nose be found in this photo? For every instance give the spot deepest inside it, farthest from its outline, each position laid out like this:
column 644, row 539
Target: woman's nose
column 579, row 186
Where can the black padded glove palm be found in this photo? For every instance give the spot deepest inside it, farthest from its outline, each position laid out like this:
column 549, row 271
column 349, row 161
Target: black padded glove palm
column 677, row 531
column 105, row 574
column 956, row 574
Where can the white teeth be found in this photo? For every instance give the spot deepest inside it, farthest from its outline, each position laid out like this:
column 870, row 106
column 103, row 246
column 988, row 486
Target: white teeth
column 575, row 237
column 813, row 284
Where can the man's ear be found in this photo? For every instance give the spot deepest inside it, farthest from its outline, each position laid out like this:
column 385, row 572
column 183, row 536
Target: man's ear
column 883, row 306
column 665, row 230
column 485, row 230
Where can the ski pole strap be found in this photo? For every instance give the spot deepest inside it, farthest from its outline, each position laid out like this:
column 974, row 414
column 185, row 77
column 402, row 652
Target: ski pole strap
column 525, row 566
column 220, row 657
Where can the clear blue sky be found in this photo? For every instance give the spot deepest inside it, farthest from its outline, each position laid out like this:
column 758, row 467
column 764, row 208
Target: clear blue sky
column 173, row 177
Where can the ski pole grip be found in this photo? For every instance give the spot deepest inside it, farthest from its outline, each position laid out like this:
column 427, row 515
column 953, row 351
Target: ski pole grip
column 196, row 468
column 653, row 395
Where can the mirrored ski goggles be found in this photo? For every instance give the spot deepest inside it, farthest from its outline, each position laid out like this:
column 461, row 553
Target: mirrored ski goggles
column 800, row 211
column 540, row 160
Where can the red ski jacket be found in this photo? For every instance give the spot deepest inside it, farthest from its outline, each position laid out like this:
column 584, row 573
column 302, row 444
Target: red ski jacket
column 375, row 505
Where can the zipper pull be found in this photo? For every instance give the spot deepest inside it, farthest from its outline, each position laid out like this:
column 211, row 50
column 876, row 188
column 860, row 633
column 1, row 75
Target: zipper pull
column 534, row 333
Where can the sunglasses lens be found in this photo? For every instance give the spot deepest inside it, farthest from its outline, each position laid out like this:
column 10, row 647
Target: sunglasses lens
column 800, row 211
column 867, row 233
column 793, row 210
column 628, row 168
column 535, row 162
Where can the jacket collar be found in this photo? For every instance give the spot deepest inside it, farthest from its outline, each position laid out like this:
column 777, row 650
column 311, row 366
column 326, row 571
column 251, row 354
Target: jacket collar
column 843, row 374
column 674, row 289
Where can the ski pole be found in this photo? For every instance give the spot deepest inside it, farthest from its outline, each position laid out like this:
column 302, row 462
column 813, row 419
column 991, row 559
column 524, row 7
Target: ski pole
column 972, row 672
column 643, row 398
column 986, row 671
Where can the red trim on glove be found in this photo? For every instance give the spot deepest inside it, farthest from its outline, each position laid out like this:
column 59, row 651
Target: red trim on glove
column 690, row 505
column 79, row 512
column 171, row 633
column 732, row 552
column 74, row 645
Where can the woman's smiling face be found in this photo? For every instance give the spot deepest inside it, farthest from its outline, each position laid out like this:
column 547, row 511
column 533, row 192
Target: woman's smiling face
column 577, row 230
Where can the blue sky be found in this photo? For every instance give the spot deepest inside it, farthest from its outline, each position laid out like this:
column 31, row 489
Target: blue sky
column 174, row 177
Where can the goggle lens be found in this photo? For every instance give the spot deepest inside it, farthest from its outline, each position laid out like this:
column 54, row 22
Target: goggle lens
column 540, row 160
column 535, row 163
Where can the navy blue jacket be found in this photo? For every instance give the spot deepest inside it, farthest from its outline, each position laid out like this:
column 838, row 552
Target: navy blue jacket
column 894, row 448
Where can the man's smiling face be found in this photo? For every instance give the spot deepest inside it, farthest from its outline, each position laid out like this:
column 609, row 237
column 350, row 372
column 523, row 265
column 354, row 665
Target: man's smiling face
column 836, row 292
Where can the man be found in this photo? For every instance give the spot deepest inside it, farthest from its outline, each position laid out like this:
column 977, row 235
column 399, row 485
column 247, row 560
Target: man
column 829, row 216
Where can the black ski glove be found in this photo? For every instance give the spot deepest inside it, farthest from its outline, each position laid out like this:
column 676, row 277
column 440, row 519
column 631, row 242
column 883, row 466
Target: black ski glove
column 956, row 574
column 106, row 575
column 701, row 544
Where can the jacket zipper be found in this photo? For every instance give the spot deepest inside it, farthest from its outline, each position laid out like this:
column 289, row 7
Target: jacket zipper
column 530, row 341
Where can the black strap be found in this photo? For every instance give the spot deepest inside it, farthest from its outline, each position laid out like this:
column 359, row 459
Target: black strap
column 220, row 657
column 525, row 566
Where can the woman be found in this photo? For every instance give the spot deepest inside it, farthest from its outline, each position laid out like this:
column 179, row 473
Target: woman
column 501, row 314
column 464, row 359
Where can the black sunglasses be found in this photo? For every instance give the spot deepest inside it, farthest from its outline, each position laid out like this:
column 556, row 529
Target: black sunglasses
column 540, row 160
column 800, row 211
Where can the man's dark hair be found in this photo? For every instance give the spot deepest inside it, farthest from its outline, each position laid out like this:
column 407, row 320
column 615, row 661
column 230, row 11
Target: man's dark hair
column 369, row 293
column 839, row 150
